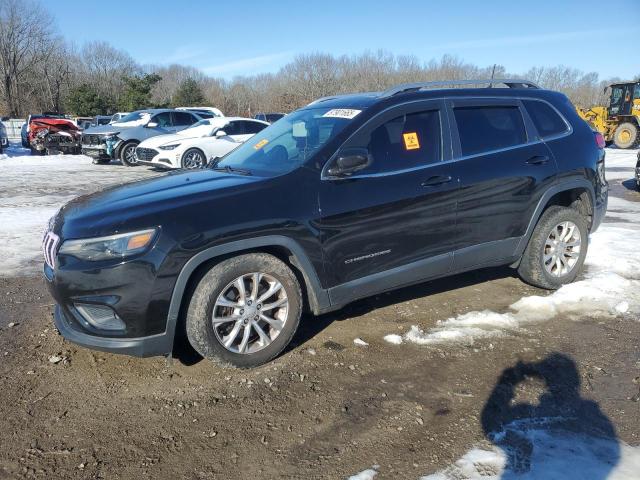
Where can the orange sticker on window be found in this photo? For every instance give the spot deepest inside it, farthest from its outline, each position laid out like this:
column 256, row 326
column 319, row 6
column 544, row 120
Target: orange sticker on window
column 261, row 144
column 411, row 141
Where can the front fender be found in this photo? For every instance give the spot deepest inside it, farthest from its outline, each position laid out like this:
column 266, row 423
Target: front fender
column 544, row 200
column 319, row 297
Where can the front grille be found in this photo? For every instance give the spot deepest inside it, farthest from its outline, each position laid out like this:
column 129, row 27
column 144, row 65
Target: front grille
column 61, row 139
column 50, row 248
column 146, row 154
column 89, row 139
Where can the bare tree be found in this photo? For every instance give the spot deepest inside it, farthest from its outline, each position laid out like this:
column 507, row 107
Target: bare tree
column 105, row 67
column 25, row 36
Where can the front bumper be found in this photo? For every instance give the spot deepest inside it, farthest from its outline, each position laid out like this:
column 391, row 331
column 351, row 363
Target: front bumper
column 98, row 152
column 158, row 164
column 134, row 293
column 153, row 345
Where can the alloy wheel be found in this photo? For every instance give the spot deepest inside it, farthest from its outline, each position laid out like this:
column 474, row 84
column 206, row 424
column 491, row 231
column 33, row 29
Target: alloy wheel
column 250, row 313
column 130, row 154
column 562, row 249
column 193, row 159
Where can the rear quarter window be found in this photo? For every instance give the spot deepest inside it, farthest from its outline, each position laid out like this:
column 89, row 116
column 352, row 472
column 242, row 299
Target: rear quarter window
column 487, row 128
column 546, row 120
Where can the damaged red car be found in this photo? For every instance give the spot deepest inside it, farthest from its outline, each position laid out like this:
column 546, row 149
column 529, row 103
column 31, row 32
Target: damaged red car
column 54, row 135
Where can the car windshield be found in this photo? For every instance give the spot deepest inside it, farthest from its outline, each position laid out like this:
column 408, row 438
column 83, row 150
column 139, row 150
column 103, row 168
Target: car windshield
column 139, row 118
column 203, row 128
column 290, row 142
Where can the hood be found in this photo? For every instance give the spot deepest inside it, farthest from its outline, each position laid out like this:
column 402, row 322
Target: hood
column 162, row 139
column 54, row 124
column 45, row 126
column 106, row 129
column 141, row 204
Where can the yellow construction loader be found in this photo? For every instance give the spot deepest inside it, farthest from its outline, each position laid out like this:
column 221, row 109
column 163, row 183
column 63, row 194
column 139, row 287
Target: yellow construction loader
column 619, row 123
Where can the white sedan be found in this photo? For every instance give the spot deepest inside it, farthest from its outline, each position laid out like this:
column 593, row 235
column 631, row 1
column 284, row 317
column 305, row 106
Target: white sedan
column 193, row 147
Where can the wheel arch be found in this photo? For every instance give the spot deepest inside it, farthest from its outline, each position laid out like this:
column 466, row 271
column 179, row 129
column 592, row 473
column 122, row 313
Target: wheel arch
column 122, row 143
column 563, row 194
column 284, row 248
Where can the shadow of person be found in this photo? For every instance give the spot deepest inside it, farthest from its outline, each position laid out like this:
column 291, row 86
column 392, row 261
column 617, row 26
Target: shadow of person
column 562, row 436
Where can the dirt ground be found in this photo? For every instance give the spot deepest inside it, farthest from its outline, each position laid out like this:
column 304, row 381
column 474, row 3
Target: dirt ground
column 327, row 408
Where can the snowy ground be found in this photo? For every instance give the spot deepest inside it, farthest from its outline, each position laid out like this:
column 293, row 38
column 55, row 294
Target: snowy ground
column 33, row 188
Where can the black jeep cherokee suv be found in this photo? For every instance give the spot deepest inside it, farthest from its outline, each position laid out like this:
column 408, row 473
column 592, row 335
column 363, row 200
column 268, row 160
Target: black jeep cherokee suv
column 345, row 198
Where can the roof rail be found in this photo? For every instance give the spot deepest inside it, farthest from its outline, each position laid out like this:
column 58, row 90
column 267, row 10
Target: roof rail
column 414, row 87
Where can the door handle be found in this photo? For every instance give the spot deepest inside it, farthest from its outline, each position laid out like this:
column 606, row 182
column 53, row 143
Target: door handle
column 436, row 180
column 538, row 160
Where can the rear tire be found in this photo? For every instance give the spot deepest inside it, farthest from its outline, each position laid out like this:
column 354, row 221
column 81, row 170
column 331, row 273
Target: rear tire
column 626, row 136
column 127, row 154
column 551, row 260
column 237, row 312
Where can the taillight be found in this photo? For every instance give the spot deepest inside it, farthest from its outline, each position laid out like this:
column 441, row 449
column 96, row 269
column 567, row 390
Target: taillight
column 599, row 139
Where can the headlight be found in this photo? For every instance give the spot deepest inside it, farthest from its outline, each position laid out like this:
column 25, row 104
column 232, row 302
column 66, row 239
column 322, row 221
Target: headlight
column 169, row 147
column 111, row 247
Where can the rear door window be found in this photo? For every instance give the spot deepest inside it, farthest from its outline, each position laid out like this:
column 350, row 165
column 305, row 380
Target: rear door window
column 405, row 142
column 546, row 119
column 233, row 128
column 252, row 127
column 487, row 128
column 183, row 119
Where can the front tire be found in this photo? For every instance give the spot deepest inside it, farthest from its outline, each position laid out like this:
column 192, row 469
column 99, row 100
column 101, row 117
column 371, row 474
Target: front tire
column 193, row 158
column 128, row 155
column 556, row 250
column 245, row 310
column 626, row 136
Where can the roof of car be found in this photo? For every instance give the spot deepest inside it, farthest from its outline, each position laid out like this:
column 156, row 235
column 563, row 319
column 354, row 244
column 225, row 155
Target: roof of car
column 365, row 100
column 220, row 121
column 156, row 110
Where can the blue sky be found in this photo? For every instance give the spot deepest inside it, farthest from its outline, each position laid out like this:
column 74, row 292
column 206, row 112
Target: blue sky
column 227, row 38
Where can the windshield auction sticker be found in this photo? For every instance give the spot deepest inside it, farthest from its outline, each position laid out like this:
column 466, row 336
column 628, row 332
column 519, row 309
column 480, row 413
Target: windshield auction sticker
column 411, row 141
column 342, row 113
column 261, row 144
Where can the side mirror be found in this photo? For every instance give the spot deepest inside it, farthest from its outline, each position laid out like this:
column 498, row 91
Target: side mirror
column 152, row 125
column 221, row 133
column 350, row 161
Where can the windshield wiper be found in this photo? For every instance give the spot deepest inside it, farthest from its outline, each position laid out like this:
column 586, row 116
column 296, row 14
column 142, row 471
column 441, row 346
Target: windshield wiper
column 228, row 169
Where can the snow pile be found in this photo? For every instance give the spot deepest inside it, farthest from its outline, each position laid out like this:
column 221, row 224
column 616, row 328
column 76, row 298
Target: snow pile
column 33, row 189
column 393, row 338
column 367, row 474
column 548, row 454
column 610, row 284
column 620, row 164
column 611, row 287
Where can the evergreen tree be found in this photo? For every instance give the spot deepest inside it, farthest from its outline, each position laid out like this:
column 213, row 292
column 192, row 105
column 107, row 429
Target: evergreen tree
column 188, row 94
column 137, row 92
column 86, row 101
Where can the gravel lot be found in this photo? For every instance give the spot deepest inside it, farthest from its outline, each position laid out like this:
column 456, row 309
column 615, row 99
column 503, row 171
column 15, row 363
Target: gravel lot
column 469, row 353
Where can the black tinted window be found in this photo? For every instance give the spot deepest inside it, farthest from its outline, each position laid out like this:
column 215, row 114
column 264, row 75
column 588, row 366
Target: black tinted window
column 406, row 141
column 163, row 119
column 483, row 129
column 253, row 127
column 233, row 128
column 545, row 118
column 183, row 119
